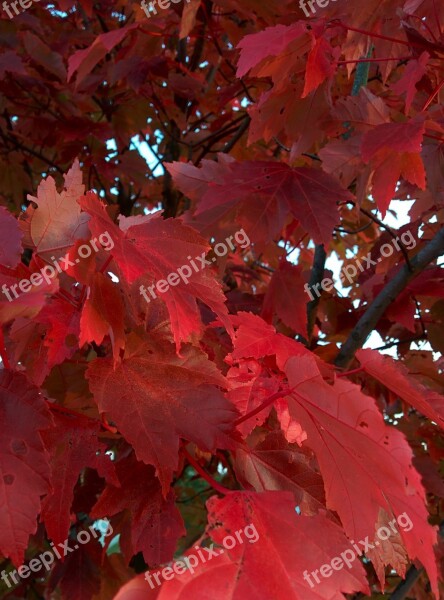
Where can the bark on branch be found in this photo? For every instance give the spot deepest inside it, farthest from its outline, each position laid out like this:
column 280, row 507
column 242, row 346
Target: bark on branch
column 369, row 320
column 317, row 275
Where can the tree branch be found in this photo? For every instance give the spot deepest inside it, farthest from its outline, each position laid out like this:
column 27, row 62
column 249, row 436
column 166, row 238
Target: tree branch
column 395, row 286
column 412, row 576
column 317, row 275
column 244, row 126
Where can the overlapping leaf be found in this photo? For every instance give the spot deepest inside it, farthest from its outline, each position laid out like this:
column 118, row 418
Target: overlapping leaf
column 156, row 523
column 73, row 445
column 25, row 472
column 155, row 397
column 260, row 195
column 156, row 247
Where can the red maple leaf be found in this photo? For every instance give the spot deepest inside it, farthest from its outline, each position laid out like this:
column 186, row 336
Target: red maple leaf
column 260, row 196
column 155, row 522
column 25, row 473
column 155, row 396
column 73, row 445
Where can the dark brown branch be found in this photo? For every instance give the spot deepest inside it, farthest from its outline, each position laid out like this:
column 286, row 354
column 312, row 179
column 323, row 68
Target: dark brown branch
column 34, row 153
column 395, row 286
column 230, row 145
column 412, row 576
column 317, row 275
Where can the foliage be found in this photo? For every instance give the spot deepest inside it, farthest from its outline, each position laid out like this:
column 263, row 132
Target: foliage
column 236, row 397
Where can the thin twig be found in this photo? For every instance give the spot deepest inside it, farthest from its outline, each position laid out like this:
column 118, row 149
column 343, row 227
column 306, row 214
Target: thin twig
column 196, row 466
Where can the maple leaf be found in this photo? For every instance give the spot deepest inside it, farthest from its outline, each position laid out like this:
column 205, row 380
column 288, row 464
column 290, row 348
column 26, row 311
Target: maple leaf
column 83, row 270
column 47, row 339
column 73, row 445
column 261, row 194
column 156, row 523
column 320, row 64
column 13, row 304
column 341, row 424
column 286, row 284
column 102, row 314
column 155, row 397
column 393, row 149
column 189, row 110
column 286, row 546
column 249, row 389
column 283, row 115
column 24, row 467
column 388, row 552
column 254, row 338
column 414, row 72
column 274, row 464
column 56, row 223
column 341, row 158
column 160, row 247
column 395, row 377
column 82, row 62
column 44, row 56
column 361, row 112
column 271, row 42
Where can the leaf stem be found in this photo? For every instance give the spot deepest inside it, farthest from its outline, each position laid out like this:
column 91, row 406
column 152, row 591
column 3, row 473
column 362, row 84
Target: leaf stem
column 352, row 372
column 68, row 411
column 264, row 404
column 434, row 137
column 433, row 95
column 369, row 60
column 196, row 466
column 376, row 35
column 106, row 263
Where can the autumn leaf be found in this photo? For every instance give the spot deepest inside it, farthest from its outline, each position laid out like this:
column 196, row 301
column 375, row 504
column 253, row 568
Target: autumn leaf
column 340, row 421
column 156, row 523
column 396, row 378
column 25, row 474
column 73, row 444
column 56, row 223
column 95, row 323
column 274, row 464
column 155, row 396
column 288, row 540
column 144, row 245
column 260, row 195
column 230, row 154
column 286, row 284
